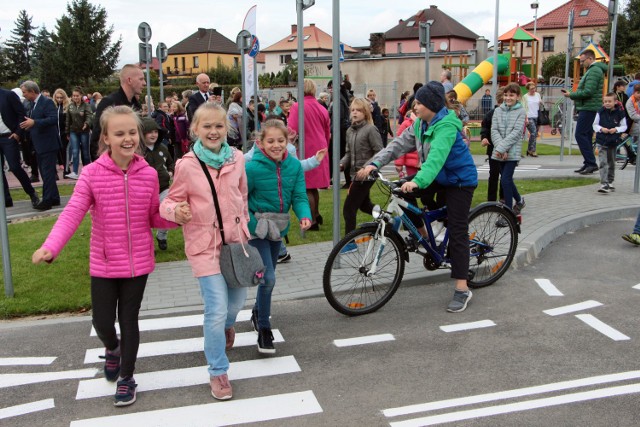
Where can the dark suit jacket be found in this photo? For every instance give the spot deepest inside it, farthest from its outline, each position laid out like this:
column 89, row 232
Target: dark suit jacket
column 44, row 133
column 195, row 100
column 12, row 111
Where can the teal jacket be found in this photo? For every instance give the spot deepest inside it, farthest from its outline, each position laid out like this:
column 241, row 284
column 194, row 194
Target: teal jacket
column 276, row 187
column 588, row 94
column 449, row 161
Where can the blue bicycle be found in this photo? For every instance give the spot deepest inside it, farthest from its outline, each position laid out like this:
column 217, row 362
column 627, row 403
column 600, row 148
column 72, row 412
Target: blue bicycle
column 365, row 268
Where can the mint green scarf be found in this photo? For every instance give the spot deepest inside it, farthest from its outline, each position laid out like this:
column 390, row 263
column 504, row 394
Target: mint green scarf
column 215, row 160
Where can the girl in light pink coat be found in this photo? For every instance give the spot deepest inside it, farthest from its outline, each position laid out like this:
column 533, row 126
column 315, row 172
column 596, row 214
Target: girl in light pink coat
column 202, row 236
column 121, row 191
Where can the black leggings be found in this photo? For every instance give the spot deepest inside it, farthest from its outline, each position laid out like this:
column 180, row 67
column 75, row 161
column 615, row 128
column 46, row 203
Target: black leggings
column 358, row 198
column 126, row 296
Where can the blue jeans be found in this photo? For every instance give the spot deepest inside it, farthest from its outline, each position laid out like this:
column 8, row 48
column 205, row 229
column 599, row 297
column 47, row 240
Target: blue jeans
column 221, row 307
column 506, row 183
column 79, row 141
column 269, row 253
column 584, row 137
column 161, row 234
column 636, row 228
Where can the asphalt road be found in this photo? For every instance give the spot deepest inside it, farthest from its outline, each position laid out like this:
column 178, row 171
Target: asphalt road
column 527, row 366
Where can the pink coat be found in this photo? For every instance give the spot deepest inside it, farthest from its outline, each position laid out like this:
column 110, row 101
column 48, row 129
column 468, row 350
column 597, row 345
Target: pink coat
column 124, row 208
column 202, row 241
column 316, row 137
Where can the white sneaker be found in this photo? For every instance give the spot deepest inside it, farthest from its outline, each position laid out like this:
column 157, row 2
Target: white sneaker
column 604, row 188
column 612, row 188
column 72, row 175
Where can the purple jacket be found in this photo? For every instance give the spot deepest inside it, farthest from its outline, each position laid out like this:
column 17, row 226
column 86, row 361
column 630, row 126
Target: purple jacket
column 124, row 208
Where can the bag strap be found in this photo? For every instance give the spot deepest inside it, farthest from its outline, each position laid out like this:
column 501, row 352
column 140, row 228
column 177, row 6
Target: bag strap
column 215, row 198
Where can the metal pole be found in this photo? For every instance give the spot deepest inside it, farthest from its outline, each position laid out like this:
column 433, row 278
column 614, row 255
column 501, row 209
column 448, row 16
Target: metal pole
column 161, row 86
column 149, row 58
column 336, row 119
column 426, row 52
column 6, row 255
column 494, row 80
column 612, row 53
column 255, row 94
column 394, row 107
column 245, row 147
column 300, row 80
column 565, row 104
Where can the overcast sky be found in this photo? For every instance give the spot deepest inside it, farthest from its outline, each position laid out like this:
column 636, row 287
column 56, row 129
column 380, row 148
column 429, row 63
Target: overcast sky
column 172, row 21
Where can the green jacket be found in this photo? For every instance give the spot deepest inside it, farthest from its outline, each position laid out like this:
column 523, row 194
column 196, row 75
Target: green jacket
column 276, row 187
column 588, row 95
column 77, row 117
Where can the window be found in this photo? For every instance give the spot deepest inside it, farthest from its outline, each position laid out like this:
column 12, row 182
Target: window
column 307, row 37
column 399, row 47
column 196, row 62
column 584, row 12
column 285, row 59
column 184, row 65
column 547, row 44
column 410, row 23
column 175, row 62
column 292, row 38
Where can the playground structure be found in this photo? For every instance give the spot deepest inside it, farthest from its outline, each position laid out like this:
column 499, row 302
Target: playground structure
column 601, row 56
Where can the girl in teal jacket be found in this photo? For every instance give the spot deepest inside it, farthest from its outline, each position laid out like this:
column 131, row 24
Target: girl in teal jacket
column 275, row 185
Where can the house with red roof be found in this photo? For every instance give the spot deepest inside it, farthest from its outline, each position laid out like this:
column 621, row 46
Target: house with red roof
column 591, row 18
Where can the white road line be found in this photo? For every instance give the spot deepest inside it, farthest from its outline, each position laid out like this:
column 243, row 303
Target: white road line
column 571, row 308
column 176, row 322
column 26, row 408
column 637, row 286
column 520, row 406
column 363, row 340
column 189, row 345
column 173, row 378
column 12, row 380
column 23, row 361
column 466, row 326
column 602, row 327
column 510, row 394
column 217, row 414
column 549, row 288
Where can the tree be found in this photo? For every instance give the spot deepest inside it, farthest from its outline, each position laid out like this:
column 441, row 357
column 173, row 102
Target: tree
column 627, row 35
column 44, row 61
column 554, row 65
column 20, row 44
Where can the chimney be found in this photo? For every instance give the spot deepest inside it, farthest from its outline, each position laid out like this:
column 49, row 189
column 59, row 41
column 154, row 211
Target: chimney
column 294, row 28
column 433, row 6
column 376, row 44
column 202, row 32
column 312, row 25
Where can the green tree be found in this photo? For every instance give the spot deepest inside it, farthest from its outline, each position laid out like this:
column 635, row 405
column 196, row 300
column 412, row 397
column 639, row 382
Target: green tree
column 224, row 74
column 554, row 65
column 5, row 67
column 627, row 35
column 46, row 67
column 20, row 44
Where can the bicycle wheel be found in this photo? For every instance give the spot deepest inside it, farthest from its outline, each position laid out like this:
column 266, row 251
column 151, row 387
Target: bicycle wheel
column 346, row 285
column 622, row 157
column 493, row 241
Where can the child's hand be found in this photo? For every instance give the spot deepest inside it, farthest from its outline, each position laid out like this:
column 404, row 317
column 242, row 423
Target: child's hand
column 305, row 224
column 484, row 142
column 320, row 155
column 408, row 187
column 41, row 255
column 183, row 213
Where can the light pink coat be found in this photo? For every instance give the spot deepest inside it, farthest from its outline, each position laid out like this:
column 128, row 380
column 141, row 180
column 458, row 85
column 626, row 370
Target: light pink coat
column 202, row 240
column 317, row 132
column 124, row 208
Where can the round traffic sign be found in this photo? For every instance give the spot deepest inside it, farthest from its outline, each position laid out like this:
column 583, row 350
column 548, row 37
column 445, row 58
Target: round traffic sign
column 144, row 31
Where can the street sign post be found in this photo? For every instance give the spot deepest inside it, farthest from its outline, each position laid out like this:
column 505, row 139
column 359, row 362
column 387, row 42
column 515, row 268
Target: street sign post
column 161, row 53
column 244, row 41
column 144, row 33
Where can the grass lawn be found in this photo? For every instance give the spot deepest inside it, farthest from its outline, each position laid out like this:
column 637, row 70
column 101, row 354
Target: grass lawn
column 542, row 149
column 63, row 286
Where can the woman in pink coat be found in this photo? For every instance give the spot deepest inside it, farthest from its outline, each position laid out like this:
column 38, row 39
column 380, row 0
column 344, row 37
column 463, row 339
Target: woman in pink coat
column 120, row 190
column 316, row 137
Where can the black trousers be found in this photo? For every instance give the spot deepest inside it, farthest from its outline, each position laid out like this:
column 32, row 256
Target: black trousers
column 358, row 198
column 48, row 173
column 494, row 181
column 125, row 296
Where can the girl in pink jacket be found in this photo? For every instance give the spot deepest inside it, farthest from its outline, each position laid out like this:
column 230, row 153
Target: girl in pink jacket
column 202, row 238
column 121, row 191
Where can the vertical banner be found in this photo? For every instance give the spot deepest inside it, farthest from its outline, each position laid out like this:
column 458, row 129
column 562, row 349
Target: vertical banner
column 249, row 24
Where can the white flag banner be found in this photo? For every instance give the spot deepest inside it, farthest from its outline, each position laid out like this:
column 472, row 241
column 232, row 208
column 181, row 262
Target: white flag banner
column 249, row 25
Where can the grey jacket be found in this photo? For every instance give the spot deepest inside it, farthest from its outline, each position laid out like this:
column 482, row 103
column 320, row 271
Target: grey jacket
column 401, row 145
column 635, row 118
column 507, row 130
column 363, row 142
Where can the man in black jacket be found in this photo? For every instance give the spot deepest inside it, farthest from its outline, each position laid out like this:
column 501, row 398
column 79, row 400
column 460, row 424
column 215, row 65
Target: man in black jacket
column 132, row 82
column 200, row 97
column 345, row 122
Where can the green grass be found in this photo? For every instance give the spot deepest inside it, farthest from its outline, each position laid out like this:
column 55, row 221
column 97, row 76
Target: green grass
column 19, row 194
column 541, row 149
column 63, row 286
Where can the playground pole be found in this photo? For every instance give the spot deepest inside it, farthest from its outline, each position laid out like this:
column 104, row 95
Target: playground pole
column 494, row 82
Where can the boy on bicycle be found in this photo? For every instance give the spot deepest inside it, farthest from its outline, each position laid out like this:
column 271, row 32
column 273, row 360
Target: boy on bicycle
column 609, row 124
column 447, row 165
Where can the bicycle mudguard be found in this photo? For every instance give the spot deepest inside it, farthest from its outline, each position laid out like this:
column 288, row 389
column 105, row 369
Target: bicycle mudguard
column 405, row 253
column 500, row 205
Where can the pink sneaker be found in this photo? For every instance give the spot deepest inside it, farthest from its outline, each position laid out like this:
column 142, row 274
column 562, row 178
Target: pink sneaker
column 220, row 387
column 230, row 335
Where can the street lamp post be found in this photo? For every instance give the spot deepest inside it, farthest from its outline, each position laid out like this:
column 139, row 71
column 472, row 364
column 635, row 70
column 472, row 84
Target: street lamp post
column 534, row 5
column 425, row 41
column 301, row 5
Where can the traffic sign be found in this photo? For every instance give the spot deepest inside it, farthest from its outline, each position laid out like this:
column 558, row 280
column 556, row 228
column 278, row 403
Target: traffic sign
column 341, row 59
column 161, row 52
column 144, row 32
column 255, row 47
column 144, row 52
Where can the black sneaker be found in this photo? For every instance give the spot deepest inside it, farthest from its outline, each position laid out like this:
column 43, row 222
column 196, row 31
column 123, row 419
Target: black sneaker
column 162, row 244
column 501, row 222
column 284, row 258
column 254, row 318
column 265, row 341
column 111, row 364
column 126, row 392
column 517, row 209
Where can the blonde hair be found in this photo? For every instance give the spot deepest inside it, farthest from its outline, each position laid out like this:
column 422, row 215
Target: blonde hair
column 364, row 106
column 310, row 87
column 530, row 85
column 274, row 123
column 65, row 101
column 208, row 108
column 179, row 105
column 110, row 112
column 371, row 92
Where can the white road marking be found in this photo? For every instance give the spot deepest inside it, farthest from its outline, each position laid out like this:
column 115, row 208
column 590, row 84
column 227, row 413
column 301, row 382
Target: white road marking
column 637, row 286
column 26, row 408
column 189, row 345
column 172, row 378
column 520, row 406
column 23, row 361
column 510, row 394
column 549, row 288
column 602, row 327
column 466, row 326
column 12, row 380
column 217, row 414
column 176, row 322
column 573, row 307
column 363, row 340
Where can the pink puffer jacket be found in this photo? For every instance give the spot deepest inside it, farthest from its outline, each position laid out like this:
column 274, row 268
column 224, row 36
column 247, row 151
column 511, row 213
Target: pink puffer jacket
column 124, row 208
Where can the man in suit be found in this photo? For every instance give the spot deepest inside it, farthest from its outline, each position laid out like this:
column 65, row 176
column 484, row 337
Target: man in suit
column 42, row 123
column 11, row 114
column 132, row 82
column 199, row 97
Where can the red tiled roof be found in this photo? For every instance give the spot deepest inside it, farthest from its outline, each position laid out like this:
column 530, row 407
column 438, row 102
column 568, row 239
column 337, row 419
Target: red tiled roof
column 155, row 64
column 205, row 40
column 317, row 40
column 443, row 26
column 597, row 16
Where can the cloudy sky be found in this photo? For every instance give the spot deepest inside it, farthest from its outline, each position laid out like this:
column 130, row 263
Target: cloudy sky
column 172, row 21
